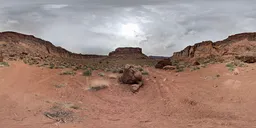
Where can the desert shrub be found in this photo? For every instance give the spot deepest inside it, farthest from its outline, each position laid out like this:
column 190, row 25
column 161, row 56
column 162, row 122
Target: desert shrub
column 230, row 66
column 52, row 66
column 68, row 73
column 97, row 87
column 4, row 64
column 195, row 68
column 179, row 68
column 87, row 72
column 144, row 73
column 217, row 75
column 204, row 65
column 115, row 71
column 101, row 74
column 60, row 85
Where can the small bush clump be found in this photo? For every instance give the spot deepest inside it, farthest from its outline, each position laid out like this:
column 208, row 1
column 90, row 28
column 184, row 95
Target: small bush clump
column 68, row 73
column 144, row 73
column 195, row 68
column 101, row 74
column 87, row 72
column 230, row 66
column 4, row 64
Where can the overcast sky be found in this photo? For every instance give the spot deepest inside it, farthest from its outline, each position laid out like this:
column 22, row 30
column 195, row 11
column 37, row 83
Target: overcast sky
column 160, row 27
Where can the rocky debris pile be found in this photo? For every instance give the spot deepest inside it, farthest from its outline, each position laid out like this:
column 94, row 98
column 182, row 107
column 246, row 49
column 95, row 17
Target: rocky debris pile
column 132, row 76
column 161, row 64
column 128, row 52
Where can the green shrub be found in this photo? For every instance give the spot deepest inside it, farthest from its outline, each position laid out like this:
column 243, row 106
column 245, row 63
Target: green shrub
column 60, row 85
column 52, row 66
column 4, row 64
column 87, row 72
column 195, row 68
column 68, row 73
column 230, row 66
column 101, row 74
column 144, row 73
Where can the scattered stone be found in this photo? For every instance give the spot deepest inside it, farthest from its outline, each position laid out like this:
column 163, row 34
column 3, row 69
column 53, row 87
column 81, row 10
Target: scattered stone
column 135, row 87
column 236, row 71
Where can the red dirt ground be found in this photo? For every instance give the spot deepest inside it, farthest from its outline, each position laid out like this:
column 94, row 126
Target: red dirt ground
column 168, row 99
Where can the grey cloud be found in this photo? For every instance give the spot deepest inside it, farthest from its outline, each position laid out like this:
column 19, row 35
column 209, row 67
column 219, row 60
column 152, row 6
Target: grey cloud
column 95, row 26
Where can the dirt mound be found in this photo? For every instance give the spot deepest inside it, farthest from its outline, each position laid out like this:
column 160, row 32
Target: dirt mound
column 229, row 48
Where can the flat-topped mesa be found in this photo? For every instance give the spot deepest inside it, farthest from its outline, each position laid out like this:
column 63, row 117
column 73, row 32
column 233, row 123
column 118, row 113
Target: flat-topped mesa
column 133, row 52
column 28, row 43
column 234, row 45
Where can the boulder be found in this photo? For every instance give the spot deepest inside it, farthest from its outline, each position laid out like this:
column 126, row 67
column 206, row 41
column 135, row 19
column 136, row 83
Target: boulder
column 163, row 63
column 195, row 63
column 168, row 67
column 131, row 75
column 135, row 87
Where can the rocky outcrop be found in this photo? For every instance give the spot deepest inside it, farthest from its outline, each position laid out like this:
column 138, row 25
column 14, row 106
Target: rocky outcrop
column 17, row 42
column 128, row 52
column 229, row 48
column 163, row 63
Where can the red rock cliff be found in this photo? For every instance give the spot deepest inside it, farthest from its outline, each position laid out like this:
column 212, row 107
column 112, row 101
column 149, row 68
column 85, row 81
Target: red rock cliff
column 128, row 52
column 17, row 42
column 232, row 46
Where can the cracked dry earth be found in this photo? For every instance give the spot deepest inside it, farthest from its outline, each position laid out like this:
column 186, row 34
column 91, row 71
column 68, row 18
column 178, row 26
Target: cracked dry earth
column 197, row 99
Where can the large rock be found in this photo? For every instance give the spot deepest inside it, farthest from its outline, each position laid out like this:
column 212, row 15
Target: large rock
column 163, row 63
column 131, row 75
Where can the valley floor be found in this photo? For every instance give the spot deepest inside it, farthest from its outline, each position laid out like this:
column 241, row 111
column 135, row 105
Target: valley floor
column 211, row 97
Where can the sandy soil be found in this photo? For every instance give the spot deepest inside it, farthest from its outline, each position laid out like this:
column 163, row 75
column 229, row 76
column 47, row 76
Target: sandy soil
column 197, row 99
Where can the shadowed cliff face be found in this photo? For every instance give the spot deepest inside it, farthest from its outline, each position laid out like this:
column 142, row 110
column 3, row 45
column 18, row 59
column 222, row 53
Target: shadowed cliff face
column 18, row 43
column 235, row 45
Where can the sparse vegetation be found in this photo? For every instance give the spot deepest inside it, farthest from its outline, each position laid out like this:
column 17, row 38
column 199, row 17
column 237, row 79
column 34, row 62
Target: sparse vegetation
column 204, row 65
column 230, row 66
column 217, row 75
column 101, row 74
column 179, row 68
column 5, row 64
column 87, row 72
column 144, row 73
column 52, row 66
column 60, row 85
column 68, row 73
column 97, row 87
column 195, row 68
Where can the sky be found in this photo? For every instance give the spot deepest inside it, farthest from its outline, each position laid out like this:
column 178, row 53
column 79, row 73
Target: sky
column 159, row 27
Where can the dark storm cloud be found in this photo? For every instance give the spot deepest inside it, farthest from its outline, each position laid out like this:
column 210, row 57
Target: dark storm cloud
column 160, row 27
